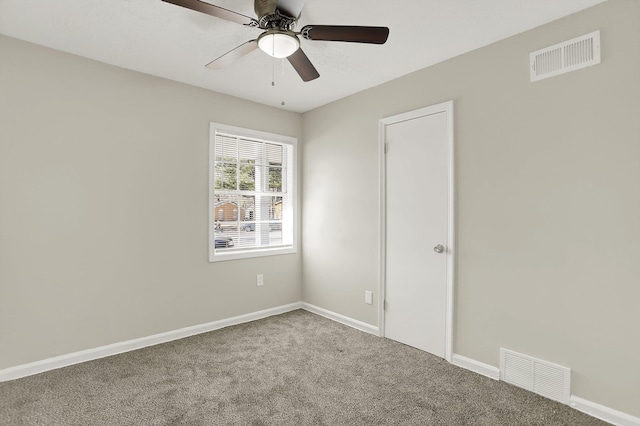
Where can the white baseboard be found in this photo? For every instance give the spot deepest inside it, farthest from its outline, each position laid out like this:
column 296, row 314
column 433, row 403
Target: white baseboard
column 362, row 326
column 603, row 413
column 130, row 345
column 476, row 366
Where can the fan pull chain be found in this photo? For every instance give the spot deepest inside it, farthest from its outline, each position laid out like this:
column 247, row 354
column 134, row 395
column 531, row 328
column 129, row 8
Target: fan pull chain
column 273, row 77
column 282, row 92
column 273, row 72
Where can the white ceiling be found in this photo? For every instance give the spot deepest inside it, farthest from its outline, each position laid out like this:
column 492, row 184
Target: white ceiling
column 169, row 41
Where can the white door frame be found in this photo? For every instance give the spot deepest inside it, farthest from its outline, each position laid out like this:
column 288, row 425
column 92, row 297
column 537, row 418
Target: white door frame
column 446, row 107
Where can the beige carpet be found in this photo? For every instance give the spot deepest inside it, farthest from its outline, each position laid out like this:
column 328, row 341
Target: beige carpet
column 291, row 369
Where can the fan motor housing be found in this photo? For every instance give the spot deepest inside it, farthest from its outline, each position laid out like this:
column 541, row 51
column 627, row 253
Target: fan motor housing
column 264, row 8
column 270, row 17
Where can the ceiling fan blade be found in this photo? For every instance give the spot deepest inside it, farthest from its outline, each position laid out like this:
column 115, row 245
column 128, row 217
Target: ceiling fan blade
column 303, row 66
column 219, row 12
column 232, row 55
column 291, row 8
column 355, row 34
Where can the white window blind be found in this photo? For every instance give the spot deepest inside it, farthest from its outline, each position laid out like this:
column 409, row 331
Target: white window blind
column 252, row 199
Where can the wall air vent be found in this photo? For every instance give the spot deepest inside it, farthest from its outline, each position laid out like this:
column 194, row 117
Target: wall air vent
column 544, row 378
column 571, row 55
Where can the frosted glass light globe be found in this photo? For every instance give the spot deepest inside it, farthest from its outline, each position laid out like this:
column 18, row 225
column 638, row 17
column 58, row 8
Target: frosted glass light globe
column 278, row 44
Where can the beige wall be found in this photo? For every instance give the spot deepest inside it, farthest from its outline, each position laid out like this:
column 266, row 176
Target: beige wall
column 104, row 204
column 548, row 202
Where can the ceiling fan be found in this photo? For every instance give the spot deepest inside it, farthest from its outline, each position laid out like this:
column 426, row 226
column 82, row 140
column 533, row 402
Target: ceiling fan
column 278, row 19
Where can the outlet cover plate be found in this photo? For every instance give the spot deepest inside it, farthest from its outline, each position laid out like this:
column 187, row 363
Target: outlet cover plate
column 368, row 297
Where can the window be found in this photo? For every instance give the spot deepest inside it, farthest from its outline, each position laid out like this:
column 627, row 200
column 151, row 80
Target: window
column 252, row 190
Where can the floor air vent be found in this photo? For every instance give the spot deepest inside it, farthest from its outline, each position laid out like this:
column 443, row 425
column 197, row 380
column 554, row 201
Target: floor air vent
column 544, row 378
column 580, row 52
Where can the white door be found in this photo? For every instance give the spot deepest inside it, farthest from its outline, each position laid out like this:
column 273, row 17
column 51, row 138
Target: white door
column 417, row 237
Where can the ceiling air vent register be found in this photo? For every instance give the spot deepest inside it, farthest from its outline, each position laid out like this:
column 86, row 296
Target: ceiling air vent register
column 571, row 55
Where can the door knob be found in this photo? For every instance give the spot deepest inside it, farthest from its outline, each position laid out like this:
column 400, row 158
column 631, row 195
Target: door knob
column 439, row 248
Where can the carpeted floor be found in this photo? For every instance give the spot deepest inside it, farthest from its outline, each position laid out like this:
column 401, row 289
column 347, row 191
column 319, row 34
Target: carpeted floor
column 291, row 369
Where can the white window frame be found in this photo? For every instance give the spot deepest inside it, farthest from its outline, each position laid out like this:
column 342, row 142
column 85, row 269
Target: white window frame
column 214, row 256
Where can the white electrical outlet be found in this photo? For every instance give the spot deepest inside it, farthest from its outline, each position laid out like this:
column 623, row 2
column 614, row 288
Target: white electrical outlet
column 259, row 280
column 368, row 297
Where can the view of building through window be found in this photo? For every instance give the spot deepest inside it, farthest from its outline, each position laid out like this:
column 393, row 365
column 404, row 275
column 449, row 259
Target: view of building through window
column 252, row 201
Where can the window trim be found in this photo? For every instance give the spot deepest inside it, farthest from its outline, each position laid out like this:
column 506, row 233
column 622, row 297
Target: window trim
column 215, row 128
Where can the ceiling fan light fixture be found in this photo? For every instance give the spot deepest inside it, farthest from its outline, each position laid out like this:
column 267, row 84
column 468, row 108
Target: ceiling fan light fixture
column 278, row 44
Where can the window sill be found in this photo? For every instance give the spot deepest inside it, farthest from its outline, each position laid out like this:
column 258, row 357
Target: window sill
column 248, row 254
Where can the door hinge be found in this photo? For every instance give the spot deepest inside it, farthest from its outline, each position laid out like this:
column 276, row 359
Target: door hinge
column 386, row 147
column 385, row 305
